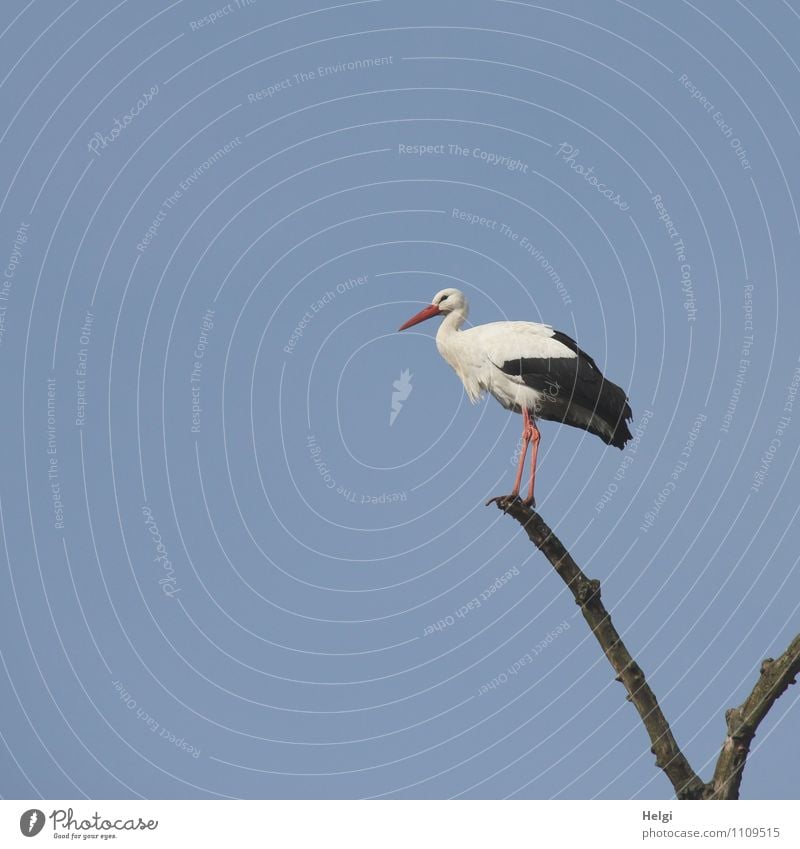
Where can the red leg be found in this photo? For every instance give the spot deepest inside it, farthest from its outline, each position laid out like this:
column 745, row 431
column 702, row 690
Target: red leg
column 534, row 437
column 526, row 438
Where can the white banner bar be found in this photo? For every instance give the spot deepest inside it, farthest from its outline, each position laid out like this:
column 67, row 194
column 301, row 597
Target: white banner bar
column 400, row 824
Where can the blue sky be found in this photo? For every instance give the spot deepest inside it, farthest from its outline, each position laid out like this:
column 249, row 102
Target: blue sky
column 238, row 560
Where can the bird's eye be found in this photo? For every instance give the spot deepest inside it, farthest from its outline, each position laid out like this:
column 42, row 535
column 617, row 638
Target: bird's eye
column 443, row 298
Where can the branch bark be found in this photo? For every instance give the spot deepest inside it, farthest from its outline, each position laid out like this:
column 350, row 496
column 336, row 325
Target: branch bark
column 743, row 721
column 776, row 676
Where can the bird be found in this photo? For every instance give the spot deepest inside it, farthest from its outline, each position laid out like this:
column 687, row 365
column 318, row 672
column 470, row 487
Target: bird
column 530, row 369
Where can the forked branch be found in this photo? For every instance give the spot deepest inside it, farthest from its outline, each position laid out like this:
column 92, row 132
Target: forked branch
column 776, row 676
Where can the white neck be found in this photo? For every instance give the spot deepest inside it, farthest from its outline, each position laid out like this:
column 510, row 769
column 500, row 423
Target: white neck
column 450, row 343
column 451, row 324
column 447, row 337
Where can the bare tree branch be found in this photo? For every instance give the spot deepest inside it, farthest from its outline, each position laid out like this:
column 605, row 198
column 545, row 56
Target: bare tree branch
column 776, row 676
column 743, row 721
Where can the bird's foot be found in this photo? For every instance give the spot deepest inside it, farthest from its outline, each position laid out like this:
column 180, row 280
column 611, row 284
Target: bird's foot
column 504, row 501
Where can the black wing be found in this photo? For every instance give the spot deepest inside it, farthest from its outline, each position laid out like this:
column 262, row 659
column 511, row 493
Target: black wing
column 575, row 392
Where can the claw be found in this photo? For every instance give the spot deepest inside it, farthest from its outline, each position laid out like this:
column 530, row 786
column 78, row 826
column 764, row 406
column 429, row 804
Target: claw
column 503, row 501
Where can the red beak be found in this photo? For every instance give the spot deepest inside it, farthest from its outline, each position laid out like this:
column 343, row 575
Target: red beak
column 423, row 315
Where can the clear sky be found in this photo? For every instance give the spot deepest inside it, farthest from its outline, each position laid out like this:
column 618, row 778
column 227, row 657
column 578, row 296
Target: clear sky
column 244, row 548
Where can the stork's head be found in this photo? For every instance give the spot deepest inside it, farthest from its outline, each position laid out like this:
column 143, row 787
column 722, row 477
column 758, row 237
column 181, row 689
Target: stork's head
column 444, row 302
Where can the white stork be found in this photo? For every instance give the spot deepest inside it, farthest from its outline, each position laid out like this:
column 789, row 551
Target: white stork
column 530, row 369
